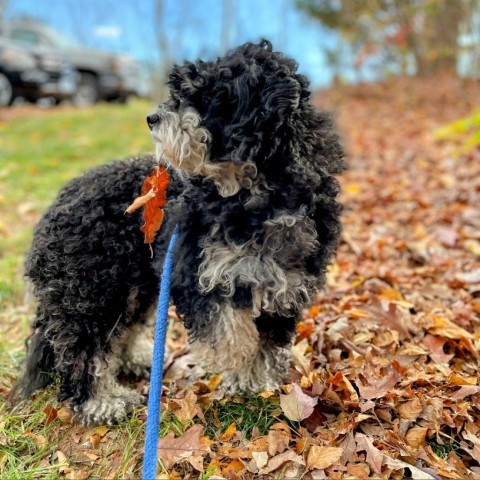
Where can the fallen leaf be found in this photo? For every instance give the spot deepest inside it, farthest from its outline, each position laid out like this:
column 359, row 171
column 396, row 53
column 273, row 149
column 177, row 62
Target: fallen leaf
column 447, row 236
column 344, row 388
column 229, row 432
column 172, row 450
column 359, row 470
column 62, row 461
column 436, row 345
column 101, row 431
column 465, row 391
column 390, row 318
column 374, row 455
column 299, row 356
column 278, row 439
column 188, row 407
column 411, row 409
column 456, row 379
column 196, row 461
column 378, row 388
column 473, row 246
column 65, row 415
column 416, row 436
column 260, row 458
column 51, row 414
column 416, row 473
column 469, row 277
column 77, row 475
column 323, row 457
column 279, row 460
column 297, row 405
column 95, row 440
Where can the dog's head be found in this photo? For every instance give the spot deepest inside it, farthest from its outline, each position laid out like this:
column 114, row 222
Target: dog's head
column 229, row 120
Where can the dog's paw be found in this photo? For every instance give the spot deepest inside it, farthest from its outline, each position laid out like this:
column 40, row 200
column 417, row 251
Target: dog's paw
column 244, row 382
column 104, row 410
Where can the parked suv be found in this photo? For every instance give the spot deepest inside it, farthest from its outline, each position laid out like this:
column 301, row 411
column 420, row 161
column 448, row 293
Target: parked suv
column 102, row 75
column 33, row 73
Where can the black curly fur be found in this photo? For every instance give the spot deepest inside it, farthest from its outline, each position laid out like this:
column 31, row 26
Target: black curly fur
column 88, row 258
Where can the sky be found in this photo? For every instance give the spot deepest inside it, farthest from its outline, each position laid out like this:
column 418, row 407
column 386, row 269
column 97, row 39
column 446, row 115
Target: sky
column 191, row 28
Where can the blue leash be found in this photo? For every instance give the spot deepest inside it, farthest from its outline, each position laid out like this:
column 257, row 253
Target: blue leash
column 150, row 452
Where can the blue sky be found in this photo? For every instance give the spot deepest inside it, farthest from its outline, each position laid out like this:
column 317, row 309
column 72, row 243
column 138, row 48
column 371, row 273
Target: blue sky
column 192, row 28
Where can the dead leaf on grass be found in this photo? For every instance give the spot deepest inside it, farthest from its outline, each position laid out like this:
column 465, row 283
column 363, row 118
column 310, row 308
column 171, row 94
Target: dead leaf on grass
column 51, row 414
column 297, row 405
column 172, row 450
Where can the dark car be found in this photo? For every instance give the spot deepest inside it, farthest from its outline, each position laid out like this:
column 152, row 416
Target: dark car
column 33, row 73
column 102, row 75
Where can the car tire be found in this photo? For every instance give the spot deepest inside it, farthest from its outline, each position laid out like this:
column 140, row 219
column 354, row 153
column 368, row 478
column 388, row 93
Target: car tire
column 6, row 91
column 87, row 91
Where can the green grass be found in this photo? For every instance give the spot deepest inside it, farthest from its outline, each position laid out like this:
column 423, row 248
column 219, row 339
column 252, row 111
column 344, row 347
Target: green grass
column 248, row 412
column 42, row 152
column 443, row 449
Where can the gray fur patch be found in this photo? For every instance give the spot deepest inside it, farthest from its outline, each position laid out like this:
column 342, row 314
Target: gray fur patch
column 267, row 266
column 234, row 342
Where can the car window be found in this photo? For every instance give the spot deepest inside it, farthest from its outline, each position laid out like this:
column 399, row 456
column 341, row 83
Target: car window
column 26, row 36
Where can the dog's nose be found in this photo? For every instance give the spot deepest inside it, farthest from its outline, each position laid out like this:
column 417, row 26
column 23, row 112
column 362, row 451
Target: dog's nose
column 152, row 120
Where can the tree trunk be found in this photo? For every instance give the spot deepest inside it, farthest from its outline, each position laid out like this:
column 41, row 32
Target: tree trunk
column 436, row 45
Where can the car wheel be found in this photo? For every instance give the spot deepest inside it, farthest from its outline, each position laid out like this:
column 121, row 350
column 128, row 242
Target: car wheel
column 87, row 91
column 6, row 91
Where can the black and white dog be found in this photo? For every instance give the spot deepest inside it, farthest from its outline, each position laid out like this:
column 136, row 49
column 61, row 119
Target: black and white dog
column 253, row 190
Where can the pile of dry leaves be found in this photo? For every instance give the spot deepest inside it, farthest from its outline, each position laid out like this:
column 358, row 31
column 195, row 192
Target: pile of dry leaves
column 385, row 380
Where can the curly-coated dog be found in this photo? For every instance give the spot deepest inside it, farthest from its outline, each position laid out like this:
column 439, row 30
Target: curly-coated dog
column 253, row 190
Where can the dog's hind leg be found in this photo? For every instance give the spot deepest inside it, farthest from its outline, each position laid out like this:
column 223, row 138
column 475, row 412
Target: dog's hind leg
column 86, row 359
column 108, row 401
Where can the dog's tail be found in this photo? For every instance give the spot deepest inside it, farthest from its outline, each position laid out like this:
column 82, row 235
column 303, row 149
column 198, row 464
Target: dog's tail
column 38, row 368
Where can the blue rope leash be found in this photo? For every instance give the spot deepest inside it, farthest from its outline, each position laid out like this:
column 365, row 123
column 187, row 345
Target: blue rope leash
column 156, row 377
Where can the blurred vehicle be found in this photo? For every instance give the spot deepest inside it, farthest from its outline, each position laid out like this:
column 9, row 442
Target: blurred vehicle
column 102, row 75
column 33, row 73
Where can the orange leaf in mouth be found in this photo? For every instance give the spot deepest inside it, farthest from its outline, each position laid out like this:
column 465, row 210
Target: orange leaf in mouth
column 153, row 198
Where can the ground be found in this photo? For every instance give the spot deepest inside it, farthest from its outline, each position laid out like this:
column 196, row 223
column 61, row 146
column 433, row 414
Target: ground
column 384, row 382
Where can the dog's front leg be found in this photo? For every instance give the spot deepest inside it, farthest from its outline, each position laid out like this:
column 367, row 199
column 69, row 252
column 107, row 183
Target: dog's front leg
column 232, row 339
